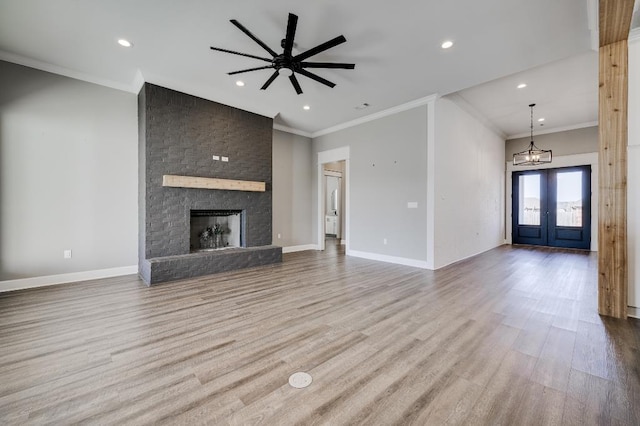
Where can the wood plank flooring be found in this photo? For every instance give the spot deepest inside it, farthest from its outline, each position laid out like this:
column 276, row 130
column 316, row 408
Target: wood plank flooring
column 510, row 337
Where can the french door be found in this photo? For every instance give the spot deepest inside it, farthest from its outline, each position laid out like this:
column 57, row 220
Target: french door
column 552, row 207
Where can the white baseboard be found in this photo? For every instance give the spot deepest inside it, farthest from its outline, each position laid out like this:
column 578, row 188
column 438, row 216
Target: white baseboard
column 468, row 256
column 292, row 249
column 47, row 280
column 633, row 312
column 389, row 259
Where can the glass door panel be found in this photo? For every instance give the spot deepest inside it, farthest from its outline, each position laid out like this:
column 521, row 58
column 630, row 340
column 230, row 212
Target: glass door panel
column 529, row 205
column 569, row 199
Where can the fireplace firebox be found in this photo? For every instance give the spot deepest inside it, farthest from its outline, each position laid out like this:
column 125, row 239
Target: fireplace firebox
column 216, row 230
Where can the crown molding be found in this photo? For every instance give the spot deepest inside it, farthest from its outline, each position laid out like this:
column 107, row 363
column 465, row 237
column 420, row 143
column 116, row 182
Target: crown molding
column 377, row 115
column 473, row 111
column 66, row 72
column 138, row 81
column 291, row 130
column 555, row 130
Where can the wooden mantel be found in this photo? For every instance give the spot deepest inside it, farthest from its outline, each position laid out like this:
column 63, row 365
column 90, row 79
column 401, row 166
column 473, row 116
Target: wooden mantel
column 176, row 181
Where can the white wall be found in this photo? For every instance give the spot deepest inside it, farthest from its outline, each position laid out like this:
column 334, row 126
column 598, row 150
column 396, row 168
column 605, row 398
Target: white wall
column 291, row 190
column 68, row 175
column 469, row 185
column 387, row 169
column 633, row 182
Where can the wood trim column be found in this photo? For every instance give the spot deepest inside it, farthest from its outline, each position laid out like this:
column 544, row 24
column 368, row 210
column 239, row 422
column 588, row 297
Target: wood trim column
column 615, row 22
column 612, row 209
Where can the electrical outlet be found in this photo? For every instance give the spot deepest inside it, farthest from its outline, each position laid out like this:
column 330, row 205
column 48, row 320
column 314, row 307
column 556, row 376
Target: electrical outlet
column 384, row 241
column 67, row 254
column 225, row 159
column 216, row 157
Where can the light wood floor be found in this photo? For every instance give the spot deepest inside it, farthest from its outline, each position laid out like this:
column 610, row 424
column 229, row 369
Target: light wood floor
column 508, row 337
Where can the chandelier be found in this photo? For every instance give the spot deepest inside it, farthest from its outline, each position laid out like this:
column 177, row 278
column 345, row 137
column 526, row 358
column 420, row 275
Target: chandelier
column 532, row 156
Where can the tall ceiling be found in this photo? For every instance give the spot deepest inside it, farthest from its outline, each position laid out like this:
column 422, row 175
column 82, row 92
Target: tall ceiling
column 395, row 45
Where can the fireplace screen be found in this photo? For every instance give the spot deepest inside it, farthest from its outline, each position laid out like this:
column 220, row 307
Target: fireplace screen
column 216, row 229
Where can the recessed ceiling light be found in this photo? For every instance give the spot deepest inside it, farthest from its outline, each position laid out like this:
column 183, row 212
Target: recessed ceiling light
column 447, row 44
column 541, row 119
column 124, row 43
column 240, row 83
column 306, row 107
column 522, row 85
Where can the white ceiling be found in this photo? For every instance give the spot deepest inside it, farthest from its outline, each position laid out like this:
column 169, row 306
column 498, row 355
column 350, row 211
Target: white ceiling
column 395, row 45
column 565, row 93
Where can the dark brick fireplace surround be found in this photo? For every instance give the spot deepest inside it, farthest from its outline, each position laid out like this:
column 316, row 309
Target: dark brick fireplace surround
column 178, row 135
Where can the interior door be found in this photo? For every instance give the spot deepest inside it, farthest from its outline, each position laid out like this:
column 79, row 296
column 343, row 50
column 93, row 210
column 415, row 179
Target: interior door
column 552, row 207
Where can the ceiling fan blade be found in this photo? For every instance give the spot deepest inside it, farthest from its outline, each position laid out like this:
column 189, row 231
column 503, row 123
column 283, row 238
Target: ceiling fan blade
column 250, row 69
column 320, row 48
column 268, row 82
column 295, row 83
column 254, row 38
column 327, row 65
column 291, row 33
column 316, row 78
column 239, row 53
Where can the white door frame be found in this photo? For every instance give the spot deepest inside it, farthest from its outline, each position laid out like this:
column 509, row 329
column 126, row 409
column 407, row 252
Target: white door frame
column 331, row 156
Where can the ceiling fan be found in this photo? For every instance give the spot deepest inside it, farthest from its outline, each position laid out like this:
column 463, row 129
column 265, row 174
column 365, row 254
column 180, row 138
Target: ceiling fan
column 285, row 62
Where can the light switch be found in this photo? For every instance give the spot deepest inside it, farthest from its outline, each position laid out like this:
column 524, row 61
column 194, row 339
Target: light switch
column 216, row 157
column 225, row 159
column 412, row 205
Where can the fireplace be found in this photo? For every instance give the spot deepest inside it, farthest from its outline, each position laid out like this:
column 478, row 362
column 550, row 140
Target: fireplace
column 181, row 136
column 216, row 230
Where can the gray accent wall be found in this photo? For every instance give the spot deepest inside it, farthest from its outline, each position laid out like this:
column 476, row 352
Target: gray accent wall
column 577, row 141
column 387, row 169
column 68, row 164
column 292, row 201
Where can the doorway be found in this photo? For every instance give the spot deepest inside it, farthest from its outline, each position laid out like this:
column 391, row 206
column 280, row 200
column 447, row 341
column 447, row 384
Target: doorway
column 337, row 156
column 334, row 214
column 552, row 207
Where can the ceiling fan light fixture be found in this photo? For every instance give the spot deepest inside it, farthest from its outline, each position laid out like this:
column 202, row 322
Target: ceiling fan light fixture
column 287, row 63
column 533, row 156
column 124, row 42
column 446, row 44
column 306, row 107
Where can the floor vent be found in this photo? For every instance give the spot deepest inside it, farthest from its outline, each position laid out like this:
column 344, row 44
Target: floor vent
column 300, row 380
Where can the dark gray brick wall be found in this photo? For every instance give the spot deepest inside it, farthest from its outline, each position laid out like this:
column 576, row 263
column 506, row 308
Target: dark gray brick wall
column 179, row 135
